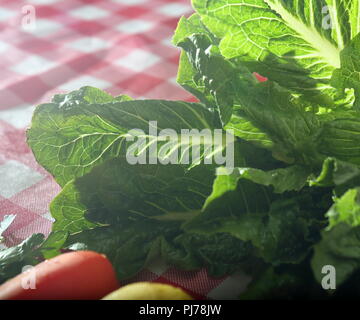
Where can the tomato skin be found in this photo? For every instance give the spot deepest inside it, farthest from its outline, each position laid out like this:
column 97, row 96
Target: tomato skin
column 78, row 275
column 260, row 77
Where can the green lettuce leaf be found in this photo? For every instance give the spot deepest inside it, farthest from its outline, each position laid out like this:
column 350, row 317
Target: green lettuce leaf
column 285, row 234
column 339, row 246
column 129, row 249
column 348, row 76
column 261, row 113
column 345, row 209
column 117, row 192
column 191, row 251
column 53, row 244
column 137, row 246
column 283, row 118
column 68, row 150
column 220, row 78
column 292, row 178
column 249, row 204
column 188, row 77
column 340, row 138
column 290, row 42
column 335, row 173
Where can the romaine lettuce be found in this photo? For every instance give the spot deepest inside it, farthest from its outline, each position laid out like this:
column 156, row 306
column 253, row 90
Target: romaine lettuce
column 290, row 205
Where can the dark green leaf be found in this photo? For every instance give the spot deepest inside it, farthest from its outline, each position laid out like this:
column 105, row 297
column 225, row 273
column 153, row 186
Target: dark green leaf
column 13, row 259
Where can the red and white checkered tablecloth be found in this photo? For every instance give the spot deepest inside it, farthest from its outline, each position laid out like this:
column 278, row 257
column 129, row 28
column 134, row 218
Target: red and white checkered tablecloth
column 122, row 46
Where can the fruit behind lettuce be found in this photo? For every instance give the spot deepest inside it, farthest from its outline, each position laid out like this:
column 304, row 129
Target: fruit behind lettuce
column 148, row 291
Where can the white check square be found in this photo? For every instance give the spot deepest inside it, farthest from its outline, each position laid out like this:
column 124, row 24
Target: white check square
column 19, row 117
column 89, row 44
column 85, row 81
column 33, row 65
column 174, row 9
column 41, row 2
column 138, row 60
column 89, row 13
column 6, row 14
column 4, row 46
column 16, row 177
column 43, row 28
column 130, row 2
column 135, row 26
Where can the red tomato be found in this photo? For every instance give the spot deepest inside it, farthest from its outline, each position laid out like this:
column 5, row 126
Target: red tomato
column 260, row 77
column 74, row 275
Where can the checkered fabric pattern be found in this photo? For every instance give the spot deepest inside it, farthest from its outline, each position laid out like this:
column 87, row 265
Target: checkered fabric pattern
column 121, row 46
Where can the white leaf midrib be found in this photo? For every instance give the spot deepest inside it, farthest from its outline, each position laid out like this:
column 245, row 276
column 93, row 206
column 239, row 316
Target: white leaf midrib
column 326, row 49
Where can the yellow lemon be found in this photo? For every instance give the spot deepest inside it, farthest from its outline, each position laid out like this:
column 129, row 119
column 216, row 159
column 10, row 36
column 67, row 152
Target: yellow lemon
column 148, row 291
